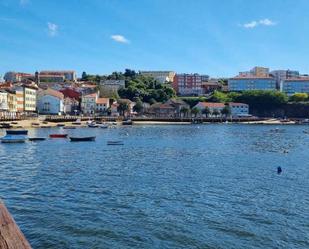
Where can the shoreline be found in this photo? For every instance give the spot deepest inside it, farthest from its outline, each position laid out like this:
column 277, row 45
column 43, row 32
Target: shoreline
column 37, row 123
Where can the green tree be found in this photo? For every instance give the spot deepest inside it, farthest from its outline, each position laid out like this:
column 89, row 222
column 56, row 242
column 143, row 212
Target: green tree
column 226, row 111
column 299, row 97
column 138, row 106
column 206, row 111
column 184, row 111
column 123, row 108
column 84, row 76
column 195, row 111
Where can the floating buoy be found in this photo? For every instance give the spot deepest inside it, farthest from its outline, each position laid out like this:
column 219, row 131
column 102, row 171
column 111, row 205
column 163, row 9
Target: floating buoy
column 279, row 170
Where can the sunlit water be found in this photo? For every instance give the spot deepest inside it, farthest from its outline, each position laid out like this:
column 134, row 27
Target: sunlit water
column 206, row 186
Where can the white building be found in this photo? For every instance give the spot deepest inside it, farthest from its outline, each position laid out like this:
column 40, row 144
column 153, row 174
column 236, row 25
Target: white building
column 291, row 86
column 102, row 104
column 161, row 76
column 50, row 102
column 88, row 104
column 239, row 109
column 3, row 101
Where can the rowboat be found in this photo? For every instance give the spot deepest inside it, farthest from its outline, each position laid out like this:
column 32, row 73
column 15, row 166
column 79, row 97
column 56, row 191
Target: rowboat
column 92, row 125
column 60, row 125
column 103, row 126
column 16, row 132
column 13, row 139
column 82, row 139
column 127, row 122
column 115, row 143
column 36, row 139
column 58, row 135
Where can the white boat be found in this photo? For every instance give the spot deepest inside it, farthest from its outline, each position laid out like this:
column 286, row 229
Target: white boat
column 103, row 126
column 13, row 139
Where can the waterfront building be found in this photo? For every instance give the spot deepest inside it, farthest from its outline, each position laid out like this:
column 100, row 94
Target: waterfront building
column 12, row 102
column 188, row 84
column 88, row 104
column 213, row 107
column 239, row 109
column 178, row 105
column 161, row 76
column 162, row 110
column 26, row 97
column 102, row 104
column 112, row 85
column 71, row 93
column 17, row 76
column 281, row 75
column 245, row 83
column 3, row 101
column 71, row 106
column 68, row 75
column 291, row 86
column 50, row 102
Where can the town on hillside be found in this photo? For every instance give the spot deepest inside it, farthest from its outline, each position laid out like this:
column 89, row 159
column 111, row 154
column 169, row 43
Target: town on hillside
column 257, row 92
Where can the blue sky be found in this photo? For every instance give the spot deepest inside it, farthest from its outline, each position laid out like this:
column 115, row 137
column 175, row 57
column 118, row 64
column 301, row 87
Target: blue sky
column 215, row 37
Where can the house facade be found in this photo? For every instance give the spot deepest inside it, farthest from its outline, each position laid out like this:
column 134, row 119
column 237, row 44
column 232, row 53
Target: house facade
column 246, row 83
column 88, row 104
column 50, row 102
column 239, row 109
column 102, row 105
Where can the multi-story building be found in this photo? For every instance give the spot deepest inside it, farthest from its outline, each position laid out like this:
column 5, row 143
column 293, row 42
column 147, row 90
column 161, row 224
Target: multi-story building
column 17, row 76
column 245, row 83
column 12, row 102
column 112, row 85
column 88, row 104
column 161, row 76
column 260, row 71
column 188, row 84
column 102, row 104
column 3, row 101
column 291, row 86
column 281, row 75
column 239, row 109
column 68, row 75
column 50, row 102
column 26, row 97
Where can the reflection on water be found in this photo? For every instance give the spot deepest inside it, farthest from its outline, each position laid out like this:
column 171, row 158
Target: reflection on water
column 214, row 186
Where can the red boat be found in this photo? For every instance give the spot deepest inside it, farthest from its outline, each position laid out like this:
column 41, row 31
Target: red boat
column 58, row 135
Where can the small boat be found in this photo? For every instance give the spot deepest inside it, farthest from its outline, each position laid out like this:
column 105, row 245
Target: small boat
column 58, row 135
column 5, row 126
column 60, row 125
column 35, row 124
column 13, row 139
column 77, row 122
column 127, row 122
column 14, row 122
column 36, row 138
column 115, row 143
column 46, row 127
column 16, row 132
column 92, row 125
column 45, row 122
column 69, row 127
column 82, row 139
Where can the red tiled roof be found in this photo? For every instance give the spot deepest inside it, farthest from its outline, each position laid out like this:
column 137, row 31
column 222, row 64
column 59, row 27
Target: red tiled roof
column 102, row 101
column 54, row 93
column 92, row 95
column 211, row 105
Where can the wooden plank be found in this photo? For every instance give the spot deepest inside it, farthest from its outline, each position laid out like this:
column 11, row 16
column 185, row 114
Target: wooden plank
column 10, row 235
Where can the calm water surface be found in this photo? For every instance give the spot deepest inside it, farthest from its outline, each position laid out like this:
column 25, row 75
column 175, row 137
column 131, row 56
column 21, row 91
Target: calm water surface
column 207, row 186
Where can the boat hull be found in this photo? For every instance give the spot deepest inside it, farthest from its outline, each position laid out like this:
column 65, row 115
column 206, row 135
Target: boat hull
column 58, row 135
column 16, row 132
column 36, row 139
column 13, row 139
column 82, row 139
column 115, row 143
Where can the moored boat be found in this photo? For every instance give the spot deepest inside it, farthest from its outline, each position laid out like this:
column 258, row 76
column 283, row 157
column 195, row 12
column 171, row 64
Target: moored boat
column 77, row 122
column 60, row 125
column 92, row 125
column 82, row 139
column 36, row 138
column 13, row 139
column 115, row 143
column 103, row 126
column 127, row 122
column 17, row 132
column 58, row 135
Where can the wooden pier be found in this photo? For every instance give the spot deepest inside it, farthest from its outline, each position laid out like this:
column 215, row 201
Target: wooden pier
column 10, row 235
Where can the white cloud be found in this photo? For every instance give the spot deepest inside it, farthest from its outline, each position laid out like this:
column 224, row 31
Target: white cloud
column 250, row 25
column 120, row 38
column 267, row 22
column 263, row 22
column 52, row 29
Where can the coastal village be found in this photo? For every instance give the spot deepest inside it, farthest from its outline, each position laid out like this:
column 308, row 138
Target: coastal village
column 62, row 93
